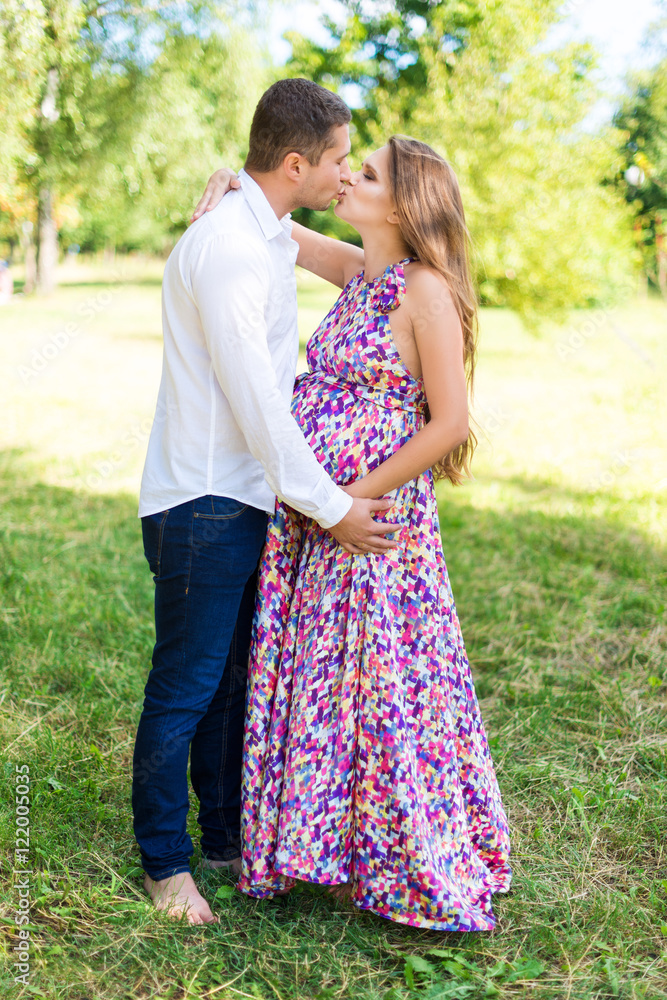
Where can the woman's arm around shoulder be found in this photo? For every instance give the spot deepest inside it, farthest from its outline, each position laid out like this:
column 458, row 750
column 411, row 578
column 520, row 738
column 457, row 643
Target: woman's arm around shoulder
column 334, row 260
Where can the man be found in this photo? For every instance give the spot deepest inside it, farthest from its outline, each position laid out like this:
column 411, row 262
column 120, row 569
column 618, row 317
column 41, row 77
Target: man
column 223, row 446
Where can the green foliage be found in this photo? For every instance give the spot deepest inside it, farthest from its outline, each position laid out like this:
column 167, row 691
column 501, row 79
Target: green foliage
column 458, row 978
column 643, row 119
column 178, row 119
column 121, row 110
column 473, row 80
column 21, row 66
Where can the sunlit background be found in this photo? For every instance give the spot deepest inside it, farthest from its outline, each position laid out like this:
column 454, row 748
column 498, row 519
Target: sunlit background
column 554, row 122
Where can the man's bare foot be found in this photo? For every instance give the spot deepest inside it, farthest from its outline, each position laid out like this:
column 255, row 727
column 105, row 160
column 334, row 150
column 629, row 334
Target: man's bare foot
column 178, row 895
column 230, row 867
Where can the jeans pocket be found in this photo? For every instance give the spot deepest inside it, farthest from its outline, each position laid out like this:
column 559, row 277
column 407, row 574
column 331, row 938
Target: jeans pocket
column 152, row 528
column 218, row 508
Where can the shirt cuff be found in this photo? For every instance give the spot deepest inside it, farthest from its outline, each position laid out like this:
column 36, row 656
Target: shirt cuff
column 334, row 509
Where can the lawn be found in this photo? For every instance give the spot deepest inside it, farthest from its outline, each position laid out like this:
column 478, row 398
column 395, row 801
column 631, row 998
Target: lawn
column 557, row 559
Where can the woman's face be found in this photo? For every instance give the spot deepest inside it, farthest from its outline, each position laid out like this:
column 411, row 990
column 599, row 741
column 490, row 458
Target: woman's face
column 367, row 201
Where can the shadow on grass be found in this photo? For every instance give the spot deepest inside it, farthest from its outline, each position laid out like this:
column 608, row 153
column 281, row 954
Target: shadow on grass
column 542, row 486
column 115, row 281
column 572, row 593
column 563, row 618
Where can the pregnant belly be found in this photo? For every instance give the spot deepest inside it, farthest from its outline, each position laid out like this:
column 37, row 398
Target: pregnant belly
column 349, row 434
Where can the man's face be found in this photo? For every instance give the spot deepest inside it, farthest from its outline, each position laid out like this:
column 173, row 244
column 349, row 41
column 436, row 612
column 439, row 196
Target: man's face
column 321, row 183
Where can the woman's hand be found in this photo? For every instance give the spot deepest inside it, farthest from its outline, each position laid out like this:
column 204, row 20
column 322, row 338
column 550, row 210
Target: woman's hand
column 219, row 184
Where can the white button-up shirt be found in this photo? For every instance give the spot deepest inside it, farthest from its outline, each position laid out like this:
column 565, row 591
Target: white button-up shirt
column 223, row 423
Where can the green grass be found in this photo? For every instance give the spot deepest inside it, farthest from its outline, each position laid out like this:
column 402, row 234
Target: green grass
column 558, row 565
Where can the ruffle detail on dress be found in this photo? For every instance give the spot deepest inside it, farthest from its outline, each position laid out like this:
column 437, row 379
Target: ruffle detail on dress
column 388, row 290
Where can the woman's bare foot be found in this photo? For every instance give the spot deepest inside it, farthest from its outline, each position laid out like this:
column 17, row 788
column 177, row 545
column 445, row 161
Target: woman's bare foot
column 230, row 867
column 283, row 892
column 234, row 868
column 179, row 896
column 340, row 892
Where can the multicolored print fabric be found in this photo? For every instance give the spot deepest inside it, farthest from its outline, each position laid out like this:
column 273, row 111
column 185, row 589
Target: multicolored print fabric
column 365, row 757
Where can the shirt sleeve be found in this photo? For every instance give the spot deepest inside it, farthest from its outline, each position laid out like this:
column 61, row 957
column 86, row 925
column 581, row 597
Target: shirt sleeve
column 230, row 285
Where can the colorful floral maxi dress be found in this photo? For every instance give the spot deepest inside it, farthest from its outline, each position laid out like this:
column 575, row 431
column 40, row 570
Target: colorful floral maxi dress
column 365, row 757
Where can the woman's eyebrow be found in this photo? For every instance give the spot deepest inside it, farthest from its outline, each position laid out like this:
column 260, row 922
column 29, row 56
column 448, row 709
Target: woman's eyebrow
column 368, row 166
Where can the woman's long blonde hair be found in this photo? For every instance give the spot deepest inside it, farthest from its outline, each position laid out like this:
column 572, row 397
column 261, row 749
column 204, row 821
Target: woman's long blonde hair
column 432, row 223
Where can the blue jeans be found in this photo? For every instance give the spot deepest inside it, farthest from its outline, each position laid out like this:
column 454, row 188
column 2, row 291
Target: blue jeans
column 203, row 555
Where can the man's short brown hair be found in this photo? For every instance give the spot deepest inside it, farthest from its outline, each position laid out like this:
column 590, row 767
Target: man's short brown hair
column 294, row 116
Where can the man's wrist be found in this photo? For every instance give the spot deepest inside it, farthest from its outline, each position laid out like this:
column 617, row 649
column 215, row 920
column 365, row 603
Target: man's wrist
column 335, row 509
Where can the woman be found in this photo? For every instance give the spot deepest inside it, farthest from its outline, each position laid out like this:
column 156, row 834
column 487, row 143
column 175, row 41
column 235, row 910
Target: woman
column 365, row 758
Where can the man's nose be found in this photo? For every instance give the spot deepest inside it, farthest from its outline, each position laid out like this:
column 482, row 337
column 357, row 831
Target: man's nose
column 345, row 172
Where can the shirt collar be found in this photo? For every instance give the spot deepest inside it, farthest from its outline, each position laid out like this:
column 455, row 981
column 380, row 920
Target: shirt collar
column 269, row 222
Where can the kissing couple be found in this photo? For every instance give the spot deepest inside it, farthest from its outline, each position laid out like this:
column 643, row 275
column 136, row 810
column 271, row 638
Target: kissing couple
column 309, row 659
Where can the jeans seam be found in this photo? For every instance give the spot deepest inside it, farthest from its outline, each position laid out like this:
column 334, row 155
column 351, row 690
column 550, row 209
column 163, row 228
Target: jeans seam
column 224, row 736
column 187, row 585
column 160, row 536
column 185, row 635
column 161, row 729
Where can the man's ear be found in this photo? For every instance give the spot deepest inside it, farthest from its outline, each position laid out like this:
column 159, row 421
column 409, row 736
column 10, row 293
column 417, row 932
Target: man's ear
column 293, row 166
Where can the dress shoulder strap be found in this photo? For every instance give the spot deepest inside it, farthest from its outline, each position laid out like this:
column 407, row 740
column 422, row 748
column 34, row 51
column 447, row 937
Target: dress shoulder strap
column 389, row 290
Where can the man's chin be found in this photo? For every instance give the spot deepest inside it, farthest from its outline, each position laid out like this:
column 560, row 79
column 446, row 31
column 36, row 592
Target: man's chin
column 318, row 206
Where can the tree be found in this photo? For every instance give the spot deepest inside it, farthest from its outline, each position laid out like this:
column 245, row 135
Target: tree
column 475, row 80
column 21, row 69
column 643, row 174
column 183, row 115
column 107, row 110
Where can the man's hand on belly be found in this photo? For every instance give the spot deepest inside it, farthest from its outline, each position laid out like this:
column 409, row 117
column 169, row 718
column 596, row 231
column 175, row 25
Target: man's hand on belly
column 359, row 533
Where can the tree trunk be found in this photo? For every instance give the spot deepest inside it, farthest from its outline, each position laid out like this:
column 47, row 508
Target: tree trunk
column 48, row 243
column 109, row 256
column 29, row 258
column 47, row 234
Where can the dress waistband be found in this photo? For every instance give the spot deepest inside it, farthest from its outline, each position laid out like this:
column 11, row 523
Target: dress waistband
column 377, row 395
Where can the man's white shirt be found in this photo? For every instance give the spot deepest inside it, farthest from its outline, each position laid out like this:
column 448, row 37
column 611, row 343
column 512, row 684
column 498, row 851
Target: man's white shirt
column 222, row 423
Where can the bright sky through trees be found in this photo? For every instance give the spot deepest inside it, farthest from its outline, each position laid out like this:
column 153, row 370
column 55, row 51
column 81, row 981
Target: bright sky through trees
column 617, row 28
